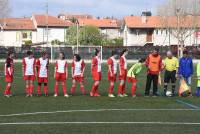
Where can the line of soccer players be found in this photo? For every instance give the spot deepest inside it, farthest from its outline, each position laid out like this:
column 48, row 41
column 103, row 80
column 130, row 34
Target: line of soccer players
column 38, row 68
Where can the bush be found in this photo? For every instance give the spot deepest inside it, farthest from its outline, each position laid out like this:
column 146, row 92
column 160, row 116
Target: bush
column 55, row 42
column 28, row 42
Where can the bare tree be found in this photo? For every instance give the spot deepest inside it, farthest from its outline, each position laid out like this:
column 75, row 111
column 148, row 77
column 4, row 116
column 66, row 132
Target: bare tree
column 180, row 18
column 4, row 8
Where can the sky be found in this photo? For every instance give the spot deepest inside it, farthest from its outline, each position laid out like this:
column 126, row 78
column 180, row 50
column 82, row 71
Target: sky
column 102, row 8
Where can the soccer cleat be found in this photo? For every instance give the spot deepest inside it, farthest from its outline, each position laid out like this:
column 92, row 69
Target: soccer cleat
column 111, row 96
column 46, row 95
column 55, row 95
column 91, row 94
column 134, row 96
column 66, row 95
column 97, row 95
column 27, row 95
column 31, row 95
column 125, row 95
column 121, row 95
column 7, row 96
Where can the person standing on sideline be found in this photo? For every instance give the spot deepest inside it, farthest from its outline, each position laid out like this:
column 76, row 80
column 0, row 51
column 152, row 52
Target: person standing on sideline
column 112, row 73
column 154, row 65
column 96, row 73
column 197, row 92
column 171, row 66
column 29, row 72
column 9, row 71
column 122, row 73
column 186, row 68
column 133, row 73
column 42, row 68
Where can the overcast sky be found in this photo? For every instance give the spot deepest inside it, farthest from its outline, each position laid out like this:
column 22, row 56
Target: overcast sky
column 117, row 8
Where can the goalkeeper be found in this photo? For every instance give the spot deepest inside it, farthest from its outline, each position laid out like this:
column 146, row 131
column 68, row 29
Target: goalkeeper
column 132, row 74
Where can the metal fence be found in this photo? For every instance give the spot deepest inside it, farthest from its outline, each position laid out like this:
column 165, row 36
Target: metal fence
column 135, row 52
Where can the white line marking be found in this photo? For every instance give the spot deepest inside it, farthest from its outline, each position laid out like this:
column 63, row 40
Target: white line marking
column 95, row 110
column 61, row 123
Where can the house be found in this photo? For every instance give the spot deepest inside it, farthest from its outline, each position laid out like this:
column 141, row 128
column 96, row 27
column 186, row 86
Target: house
column 108, row 27
column 71, row 16
column 157, row 30
column 16, row 31
column 50, row 28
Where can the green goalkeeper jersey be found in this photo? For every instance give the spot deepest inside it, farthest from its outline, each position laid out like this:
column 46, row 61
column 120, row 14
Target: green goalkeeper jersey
column 135, row 70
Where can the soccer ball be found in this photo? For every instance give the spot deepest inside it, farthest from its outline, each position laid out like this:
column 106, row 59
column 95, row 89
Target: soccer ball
column 169, row 94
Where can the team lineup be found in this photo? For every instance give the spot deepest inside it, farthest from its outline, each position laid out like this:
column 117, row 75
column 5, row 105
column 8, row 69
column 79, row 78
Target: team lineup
column 38, row 69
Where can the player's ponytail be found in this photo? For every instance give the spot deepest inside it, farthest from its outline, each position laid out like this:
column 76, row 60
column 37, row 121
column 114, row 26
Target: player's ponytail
column 78, row 57
column 124, row 51
column 63, row 54
column 113, row 53
column 96, row 52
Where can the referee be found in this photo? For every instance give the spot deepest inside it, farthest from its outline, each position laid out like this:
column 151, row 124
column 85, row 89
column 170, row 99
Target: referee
column 171, row 66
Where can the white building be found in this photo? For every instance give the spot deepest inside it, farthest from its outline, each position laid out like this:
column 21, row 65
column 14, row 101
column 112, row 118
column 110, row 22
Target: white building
column 16, row 31
column 142, row 30
column 50, row 28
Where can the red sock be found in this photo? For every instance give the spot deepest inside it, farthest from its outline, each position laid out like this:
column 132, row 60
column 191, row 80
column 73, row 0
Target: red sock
column 134, row 87
column 7, row 91
column 93, row 89
column 96, row 89
column 56, row 89
column 27, row 90
column 45, row 89
column 82, row 90
column 31, row 89
column 111, row 89
column 73, row 89
column 123, row 89
column 120, row 89
column 39, row 90
column 64, row 89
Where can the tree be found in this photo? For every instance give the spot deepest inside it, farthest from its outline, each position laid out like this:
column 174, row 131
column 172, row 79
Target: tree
column 90, row 35
column 180, row 18
column 71, row 35
column 4, row 8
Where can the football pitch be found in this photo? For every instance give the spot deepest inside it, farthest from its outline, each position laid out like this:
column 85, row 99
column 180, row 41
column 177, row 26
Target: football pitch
column 87, row 115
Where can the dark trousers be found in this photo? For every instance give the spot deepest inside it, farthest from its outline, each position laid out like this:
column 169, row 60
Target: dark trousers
column 150, row 78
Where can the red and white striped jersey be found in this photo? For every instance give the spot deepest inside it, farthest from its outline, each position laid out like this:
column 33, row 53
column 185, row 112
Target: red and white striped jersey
column 29, row 66
column 9, row 67
column 96, row 64
column 123, row 63
column 78, row 67
column 113, row 63
column 61, row 66
column 42, row 65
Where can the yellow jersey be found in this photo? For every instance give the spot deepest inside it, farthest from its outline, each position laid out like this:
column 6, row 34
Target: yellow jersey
column 171, row 64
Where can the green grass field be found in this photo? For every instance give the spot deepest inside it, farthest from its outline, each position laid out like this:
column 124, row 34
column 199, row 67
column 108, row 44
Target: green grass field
column 87, row 115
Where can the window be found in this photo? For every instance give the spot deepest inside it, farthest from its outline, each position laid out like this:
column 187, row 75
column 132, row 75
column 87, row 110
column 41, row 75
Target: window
column 157, row 31
column 166, row 32
column 24, row 35
column 47, row 32
column 161, row 31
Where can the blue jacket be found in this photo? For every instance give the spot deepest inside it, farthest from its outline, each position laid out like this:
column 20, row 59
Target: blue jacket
column 186, row 67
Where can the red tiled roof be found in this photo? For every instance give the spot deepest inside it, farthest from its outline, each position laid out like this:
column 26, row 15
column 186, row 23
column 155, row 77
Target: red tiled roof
column 101, row 23
column 77, row 16
column 17, row 24
column 41, row 20
column 160, row 22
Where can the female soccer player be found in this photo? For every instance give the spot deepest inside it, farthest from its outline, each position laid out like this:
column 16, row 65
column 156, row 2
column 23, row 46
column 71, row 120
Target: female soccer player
column 112, row 72
column 29, row 72
column 78, row 69
column 132, row 75
column 96, row 73
column 42, row 68
column 8, row 71
column 61, row 74
column 122, row 73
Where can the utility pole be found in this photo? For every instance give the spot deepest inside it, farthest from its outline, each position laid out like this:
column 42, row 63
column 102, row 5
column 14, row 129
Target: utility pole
column 47, row 21
column 77, row 36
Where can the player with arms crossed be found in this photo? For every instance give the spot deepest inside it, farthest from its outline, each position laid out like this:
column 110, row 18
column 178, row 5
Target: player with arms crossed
column 42, row 68
column 9, row 71
column 29, row 72
column 61, row 74
column 78, row 69
column 96, row 73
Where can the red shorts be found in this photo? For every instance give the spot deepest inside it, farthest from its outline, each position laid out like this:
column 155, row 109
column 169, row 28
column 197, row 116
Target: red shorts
column 78, row 78
column 42, row 80
column 132, row 80
column 96, row 76
column 112, row 78
column 123, row 76
column 29, row 77
column 60, row 76
column 8, row 79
